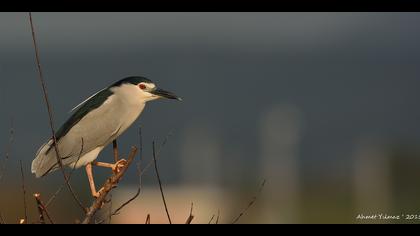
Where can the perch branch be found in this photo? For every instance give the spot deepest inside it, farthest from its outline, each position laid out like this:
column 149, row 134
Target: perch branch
column 107, row 187
column 117, row 211
column 50, row 115
column 160, row 183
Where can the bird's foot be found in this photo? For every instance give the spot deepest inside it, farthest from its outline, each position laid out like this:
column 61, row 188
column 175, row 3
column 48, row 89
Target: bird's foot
column 98, row 193
column 119, row 165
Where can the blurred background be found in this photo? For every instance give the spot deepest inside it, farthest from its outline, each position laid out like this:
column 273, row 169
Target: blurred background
column 324, row 106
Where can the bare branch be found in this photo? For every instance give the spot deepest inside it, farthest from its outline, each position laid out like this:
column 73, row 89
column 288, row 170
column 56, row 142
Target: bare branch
column 160, row 183
column 50, row 116
column 218, row 217
column 24, row 192
column 190, row 217
column 250, row 203
column 107, row 187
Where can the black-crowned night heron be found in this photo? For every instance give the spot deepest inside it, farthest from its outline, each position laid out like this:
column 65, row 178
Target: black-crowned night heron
column 95, row 123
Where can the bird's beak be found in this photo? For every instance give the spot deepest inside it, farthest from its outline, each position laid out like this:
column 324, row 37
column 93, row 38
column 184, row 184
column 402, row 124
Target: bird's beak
column 163, row 93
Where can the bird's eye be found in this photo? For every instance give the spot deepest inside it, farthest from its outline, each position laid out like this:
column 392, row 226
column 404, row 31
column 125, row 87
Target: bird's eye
column 142, row 86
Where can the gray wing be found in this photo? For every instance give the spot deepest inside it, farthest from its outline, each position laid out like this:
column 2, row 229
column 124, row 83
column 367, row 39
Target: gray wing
column 93, row 125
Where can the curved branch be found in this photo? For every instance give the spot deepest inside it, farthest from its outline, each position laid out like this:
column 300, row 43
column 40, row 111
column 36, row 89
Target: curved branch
column 110, row 183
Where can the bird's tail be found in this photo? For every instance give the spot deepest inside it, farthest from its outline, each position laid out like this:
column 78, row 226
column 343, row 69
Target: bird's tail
column 45, row 160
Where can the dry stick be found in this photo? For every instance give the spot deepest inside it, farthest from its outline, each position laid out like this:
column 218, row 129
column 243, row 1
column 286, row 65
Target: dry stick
column 71, row 173
column 42, row 208
column 218, row 216
column 250, row 203
column 148, row 219
column 24, row 192
column 160, row 183
column 190, row 217
column 109, row 184
column 50, row 116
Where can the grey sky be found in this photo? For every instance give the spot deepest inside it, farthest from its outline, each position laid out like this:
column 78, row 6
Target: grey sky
column 351, row 75
column 241, row 31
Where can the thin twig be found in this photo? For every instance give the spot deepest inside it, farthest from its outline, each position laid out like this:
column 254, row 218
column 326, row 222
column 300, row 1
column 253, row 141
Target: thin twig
column 24, row 192
column 107, row 187
column 8, row 149
column 2, row 219
column 158, row 152
column 190, row 217
column 160, row 183
column 50, row 116
column 250, row 203
column 211, row 219
column 52, row 198
column 147, row 219
column 218, row 216
column 42, row 209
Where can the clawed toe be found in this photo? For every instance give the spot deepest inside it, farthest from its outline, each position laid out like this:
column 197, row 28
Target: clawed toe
column 119, row 165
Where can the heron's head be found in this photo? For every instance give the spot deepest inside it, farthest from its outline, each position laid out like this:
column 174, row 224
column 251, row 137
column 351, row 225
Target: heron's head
column 144, row 89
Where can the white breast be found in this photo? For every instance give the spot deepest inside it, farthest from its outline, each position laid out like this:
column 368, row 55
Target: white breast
column 128, row 106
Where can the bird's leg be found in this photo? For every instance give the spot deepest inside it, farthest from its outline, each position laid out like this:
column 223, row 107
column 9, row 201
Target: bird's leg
column 91, row 182
column 116, row 168
column 115, row 148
